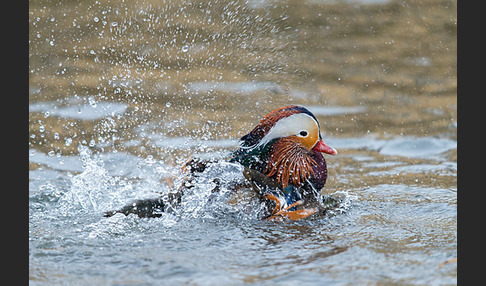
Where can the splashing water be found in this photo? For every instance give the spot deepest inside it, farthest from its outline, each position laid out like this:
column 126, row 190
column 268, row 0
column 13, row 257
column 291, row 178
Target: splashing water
column 209, row 194
column 147, row 84
column 94, row 190
column 213, row 194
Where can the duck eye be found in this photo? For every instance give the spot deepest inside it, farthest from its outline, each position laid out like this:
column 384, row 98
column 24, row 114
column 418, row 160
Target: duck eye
column 303, row 133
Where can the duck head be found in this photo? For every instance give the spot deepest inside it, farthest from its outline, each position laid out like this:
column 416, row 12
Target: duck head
column 286, row 145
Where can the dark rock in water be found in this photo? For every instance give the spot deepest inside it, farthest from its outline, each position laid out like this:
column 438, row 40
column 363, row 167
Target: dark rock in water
column 142, row 208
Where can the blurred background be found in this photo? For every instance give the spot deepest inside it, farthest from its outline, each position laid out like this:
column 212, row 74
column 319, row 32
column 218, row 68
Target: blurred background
column 160, row 81
column 212, row 69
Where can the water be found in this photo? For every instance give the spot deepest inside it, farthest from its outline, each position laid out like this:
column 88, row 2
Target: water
column 384, row 232
column 121, row 95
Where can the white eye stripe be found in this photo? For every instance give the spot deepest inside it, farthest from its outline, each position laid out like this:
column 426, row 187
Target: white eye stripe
column 291, row 125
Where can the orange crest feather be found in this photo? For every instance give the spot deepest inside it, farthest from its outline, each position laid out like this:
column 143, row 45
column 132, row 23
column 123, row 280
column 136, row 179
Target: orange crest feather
column 290, row 162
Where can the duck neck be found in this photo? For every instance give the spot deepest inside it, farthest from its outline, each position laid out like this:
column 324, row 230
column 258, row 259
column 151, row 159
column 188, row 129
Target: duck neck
column 255, row 157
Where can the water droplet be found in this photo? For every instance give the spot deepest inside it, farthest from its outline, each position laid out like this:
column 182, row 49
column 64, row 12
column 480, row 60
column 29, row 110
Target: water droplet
column 68, row 141
column 185, row 48
column 150, row 160
column 51, row 153
column 41, row 128
column 168, row 104
column 92, row 101
column 96, row 19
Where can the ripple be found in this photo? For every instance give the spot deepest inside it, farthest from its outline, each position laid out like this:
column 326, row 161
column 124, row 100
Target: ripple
column 233, row 87
column 417, row 147
column 190, row 143
column 335, row 110
column 83, row 112
column 411, row 147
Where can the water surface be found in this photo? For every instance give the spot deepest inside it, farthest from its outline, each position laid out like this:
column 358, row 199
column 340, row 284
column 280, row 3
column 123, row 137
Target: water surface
column 121, row 94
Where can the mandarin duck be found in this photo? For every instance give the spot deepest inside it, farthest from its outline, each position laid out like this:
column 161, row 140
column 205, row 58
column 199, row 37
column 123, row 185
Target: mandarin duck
column 282, row 155
column 282, row 162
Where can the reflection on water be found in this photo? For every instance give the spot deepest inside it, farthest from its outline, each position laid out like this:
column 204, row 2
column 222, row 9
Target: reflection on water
column 93, row 111
column 232, row 87
column 121, row 94
column 335, row 110
column 411, row 147
column 418, row 147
